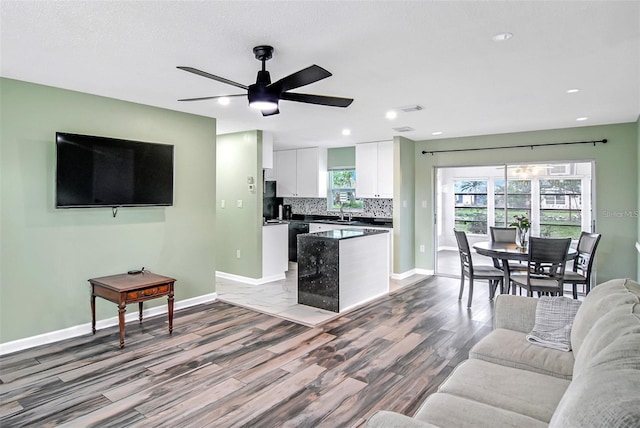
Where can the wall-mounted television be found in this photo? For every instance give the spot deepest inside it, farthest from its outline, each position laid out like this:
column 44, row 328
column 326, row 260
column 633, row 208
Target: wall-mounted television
column 108, row 172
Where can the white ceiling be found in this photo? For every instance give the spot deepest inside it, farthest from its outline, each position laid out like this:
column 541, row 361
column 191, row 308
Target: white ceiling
column 384, row 54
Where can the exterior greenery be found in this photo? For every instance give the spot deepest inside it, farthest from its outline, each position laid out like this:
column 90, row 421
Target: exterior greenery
column 559, row 209
column 342, row 190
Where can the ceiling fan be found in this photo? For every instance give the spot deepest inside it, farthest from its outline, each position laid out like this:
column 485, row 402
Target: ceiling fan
column 264, row 95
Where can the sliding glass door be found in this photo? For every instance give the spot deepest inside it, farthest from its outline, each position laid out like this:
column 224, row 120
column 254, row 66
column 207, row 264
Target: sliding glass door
column 556, row 197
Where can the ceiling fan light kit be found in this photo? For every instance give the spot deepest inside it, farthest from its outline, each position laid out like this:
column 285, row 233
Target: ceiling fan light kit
column 265, row 96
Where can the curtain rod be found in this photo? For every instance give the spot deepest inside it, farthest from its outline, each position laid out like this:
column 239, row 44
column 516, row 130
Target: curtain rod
column 531, row 146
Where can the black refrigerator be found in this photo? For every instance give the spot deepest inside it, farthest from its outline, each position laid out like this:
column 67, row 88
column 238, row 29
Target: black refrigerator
column 270, row 202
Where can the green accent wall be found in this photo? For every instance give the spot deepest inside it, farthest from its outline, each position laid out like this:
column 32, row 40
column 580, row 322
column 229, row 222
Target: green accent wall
column 404, row 205
column 616, row 176
column 47, row 254
column 341, row 157
column 239, row 156
column 638, row 191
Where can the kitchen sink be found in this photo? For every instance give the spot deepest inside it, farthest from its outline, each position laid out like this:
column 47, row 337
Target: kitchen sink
column 337, row 221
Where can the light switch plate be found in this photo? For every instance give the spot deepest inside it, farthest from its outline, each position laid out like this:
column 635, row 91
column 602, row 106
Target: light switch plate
column 239, row 203
column 222, row 203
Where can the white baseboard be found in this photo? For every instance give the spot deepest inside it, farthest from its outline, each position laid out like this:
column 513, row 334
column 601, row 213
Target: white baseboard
column 79, row 330
column 411, row 272
column 403, row 275
column 252, row 281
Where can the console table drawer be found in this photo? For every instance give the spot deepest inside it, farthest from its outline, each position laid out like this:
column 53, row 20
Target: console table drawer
column 148, row 292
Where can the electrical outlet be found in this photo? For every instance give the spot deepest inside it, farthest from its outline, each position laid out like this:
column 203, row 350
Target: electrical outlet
column 424, row 204
column 238, row 254
column 422, row 248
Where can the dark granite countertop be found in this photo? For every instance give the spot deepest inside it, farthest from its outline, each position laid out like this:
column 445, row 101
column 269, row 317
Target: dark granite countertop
column 356, row 221
column 275, row 223
column 342, row 233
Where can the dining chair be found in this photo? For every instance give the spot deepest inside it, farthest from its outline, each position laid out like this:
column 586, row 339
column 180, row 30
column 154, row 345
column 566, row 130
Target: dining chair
column 546, row 264
column 506, row 234
column 582, row 264
column 490, row 273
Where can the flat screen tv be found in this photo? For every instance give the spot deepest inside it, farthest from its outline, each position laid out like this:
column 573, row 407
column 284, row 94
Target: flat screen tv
column 107, row 172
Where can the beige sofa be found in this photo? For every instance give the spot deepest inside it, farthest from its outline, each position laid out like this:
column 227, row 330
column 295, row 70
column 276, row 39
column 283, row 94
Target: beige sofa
column 509, row 382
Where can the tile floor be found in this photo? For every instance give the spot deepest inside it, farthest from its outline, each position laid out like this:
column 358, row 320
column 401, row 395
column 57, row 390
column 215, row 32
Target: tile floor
column 280, row 298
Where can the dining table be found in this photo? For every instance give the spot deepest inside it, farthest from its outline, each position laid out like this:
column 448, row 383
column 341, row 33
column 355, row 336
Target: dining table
column 505, row 251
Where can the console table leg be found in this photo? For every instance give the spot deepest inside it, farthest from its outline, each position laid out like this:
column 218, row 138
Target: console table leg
column 140, row 310
column 170, row 303
column 93, row 313
column 122, row 308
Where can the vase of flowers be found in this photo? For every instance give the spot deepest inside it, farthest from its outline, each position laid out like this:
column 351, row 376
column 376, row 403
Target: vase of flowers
column 523, row 225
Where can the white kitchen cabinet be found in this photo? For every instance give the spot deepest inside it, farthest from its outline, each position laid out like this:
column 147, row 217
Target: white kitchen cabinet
column 286, row 168
column 275, row 251
column 268, row 163
column 374, row 170
column 301, row 173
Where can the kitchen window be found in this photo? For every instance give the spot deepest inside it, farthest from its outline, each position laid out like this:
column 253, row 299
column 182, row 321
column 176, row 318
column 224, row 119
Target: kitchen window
column 342, row 190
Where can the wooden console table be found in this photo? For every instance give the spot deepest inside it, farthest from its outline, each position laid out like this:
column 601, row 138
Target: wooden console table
column 125, row 288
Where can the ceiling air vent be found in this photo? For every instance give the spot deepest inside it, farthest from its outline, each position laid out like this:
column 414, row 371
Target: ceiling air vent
column 403, row 129
column 408, row 109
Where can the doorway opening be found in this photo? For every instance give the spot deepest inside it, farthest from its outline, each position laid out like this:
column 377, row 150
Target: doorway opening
column 556, row 197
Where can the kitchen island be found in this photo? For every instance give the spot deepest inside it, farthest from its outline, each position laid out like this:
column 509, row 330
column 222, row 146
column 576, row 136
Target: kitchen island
column 343, row 268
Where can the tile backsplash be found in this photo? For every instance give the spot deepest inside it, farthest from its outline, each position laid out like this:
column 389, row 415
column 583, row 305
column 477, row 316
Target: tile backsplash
column 318, row 206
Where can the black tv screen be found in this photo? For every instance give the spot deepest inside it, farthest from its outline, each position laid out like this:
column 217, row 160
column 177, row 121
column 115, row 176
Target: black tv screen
column 108, row 172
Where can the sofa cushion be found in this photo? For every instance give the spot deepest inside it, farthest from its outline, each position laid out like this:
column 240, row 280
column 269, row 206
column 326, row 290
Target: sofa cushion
column 622, row 321
column 516, row 313
column 510, row 348
column 386, row 419
column 446, row 410
column 606, row 393
column 601, row 300
column 520, row 391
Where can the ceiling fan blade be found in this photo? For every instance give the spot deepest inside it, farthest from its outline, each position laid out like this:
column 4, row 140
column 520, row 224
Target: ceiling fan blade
column 303, row 77
column 270, row 112
column 212, row 76
column 213, row 98
column 317, row 99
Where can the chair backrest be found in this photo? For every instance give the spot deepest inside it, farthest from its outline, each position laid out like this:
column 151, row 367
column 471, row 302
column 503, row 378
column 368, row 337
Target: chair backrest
column 466, row 262
column 587, row 245
column 503, row 234
column 548, row 256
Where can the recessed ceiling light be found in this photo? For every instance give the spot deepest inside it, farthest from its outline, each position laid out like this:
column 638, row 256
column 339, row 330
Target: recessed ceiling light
column 391, row 114
column 346, row 132
column 501, row 37
column 436, row 133
column 573, row 90
column 580, row 119
column 223, row 101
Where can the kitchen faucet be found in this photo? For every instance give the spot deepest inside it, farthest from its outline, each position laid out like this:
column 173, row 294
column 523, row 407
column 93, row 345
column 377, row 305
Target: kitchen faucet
column 341, row 212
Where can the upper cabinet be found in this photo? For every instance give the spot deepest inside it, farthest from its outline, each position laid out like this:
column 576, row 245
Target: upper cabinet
column 301, row 173
column 268, row 164
column 374, row 170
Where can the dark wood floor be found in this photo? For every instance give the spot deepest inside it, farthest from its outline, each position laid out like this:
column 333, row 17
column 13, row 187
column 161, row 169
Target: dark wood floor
column 226, row 366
